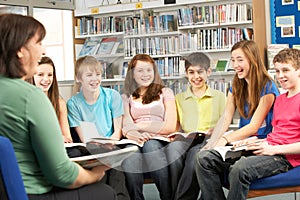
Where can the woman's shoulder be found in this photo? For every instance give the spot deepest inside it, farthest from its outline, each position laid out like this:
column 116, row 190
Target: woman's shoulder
column 22, row 87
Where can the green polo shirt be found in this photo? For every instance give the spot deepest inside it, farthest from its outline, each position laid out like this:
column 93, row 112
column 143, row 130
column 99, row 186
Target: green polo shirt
column 28, row 119
column 199, row 114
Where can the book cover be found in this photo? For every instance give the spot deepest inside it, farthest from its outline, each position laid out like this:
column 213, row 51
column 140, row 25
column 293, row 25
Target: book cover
column 107, row 45
column 168, row 23
column 248, row 33
column 222, row 65
column 89, row 48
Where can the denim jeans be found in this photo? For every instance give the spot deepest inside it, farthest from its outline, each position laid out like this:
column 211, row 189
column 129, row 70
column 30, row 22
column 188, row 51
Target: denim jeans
column 150, row 158
column 210, row 170
column 176, row 153
column 188, row 187
column 116, row 179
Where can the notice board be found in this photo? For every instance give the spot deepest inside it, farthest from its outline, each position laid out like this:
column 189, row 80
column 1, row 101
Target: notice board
column 285, row 22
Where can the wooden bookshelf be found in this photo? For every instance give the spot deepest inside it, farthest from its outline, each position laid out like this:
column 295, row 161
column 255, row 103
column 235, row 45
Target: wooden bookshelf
column 132, row 10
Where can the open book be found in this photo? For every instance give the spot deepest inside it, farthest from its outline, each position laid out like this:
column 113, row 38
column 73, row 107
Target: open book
column 98, row 154
column 192, row 135
column 91, row 134
column 127, row 141
column 231, row 152
column 228, row 152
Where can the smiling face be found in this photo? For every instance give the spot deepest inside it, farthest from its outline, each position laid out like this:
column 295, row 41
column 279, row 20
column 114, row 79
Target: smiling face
column 90, row 80
column 287, row 76
column 30, row 55
column 197, row 76
column 240, row 64
column 143, row 74
column 44, row 77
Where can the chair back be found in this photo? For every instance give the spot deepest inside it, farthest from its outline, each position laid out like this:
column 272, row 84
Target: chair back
column 11, row 183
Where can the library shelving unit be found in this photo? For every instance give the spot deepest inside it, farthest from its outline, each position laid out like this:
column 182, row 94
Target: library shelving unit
column 172, row 31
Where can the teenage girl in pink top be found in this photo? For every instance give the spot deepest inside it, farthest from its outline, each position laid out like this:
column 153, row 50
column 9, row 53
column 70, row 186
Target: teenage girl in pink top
column 149, row 110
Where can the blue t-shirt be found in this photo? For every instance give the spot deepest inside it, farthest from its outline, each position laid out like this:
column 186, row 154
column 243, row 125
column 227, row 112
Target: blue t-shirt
column 108, row 106
column 266, row 126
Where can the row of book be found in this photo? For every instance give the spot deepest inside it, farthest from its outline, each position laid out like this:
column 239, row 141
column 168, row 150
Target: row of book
column 170, row 66
column 214, row 14
column 167, row 67
column 220, row 84
column 147, row 22
column 151, row 45
column 202, row 39
column 218, row 38
column 99, row 25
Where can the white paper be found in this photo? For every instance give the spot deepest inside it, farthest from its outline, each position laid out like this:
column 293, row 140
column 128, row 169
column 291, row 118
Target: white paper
column 89, row 131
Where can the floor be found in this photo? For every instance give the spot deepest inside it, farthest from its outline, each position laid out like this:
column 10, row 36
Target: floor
column 151, row 193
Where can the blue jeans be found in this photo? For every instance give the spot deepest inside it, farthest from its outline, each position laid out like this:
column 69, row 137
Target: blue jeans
column 210, row 170
column 150, row 158
column 176, row 153
column 188, row 187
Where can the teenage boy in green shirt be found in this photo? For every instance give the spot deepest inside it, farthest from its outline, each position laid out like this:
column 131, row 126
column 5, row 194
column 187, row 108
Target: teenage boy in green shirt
column 199, row 108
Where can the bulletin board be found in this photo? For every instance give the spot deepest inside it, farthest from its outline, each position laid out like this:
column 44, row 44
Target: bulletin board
column 285, row 22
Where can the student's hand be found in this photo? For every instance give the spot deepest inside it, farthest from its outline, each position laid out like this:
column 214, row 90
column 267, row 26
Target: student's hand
column 137, row 136
column 115, row 137
column 245, row 141
column 221, row 142
column 209, row 132
column 209, row 145
column 263, row 148
column 67, row 140
column 100, row 170
column 145, row 136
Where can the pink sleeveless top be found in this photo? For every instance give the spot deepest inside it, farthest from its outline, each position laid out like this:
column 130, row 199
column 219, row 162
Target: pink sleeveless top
column 154, row 111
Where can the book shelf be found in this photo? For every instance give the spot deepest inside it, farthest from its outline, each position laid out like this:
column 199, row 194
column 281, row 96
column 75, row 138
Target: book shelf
column 170, row 32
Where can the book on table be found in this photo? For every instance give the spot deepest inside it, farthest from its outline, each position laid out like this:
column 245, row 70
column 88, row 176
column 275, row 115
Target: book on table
column 92, row 154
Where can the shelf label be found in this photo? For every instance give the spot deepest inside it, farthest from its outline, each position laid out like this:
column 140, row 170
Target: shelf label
column 139, row 5
column 95, row 10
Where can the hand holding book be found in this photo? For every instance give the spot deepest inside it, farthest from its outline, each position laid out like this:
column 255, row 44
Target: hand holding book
column 236, row 149
column 244, row 144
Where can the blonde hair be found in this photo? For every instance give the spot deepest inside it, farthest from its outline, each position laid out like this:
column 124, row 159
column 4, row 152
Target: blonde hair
column 83, row 64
